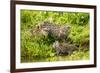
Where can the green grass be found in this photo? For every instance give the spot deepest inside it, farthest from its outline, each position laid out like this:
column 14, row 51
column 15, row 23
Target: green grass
column 38, row 48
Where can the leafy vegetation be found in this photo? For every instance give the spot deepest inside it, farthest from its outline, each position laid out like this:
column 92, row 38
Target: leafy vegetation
column 35, row 49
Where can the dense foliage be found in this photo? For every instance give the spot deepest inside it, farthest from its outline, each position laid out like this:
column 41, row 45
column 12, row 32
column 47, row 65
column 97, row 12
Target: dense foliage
column 39, row 49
